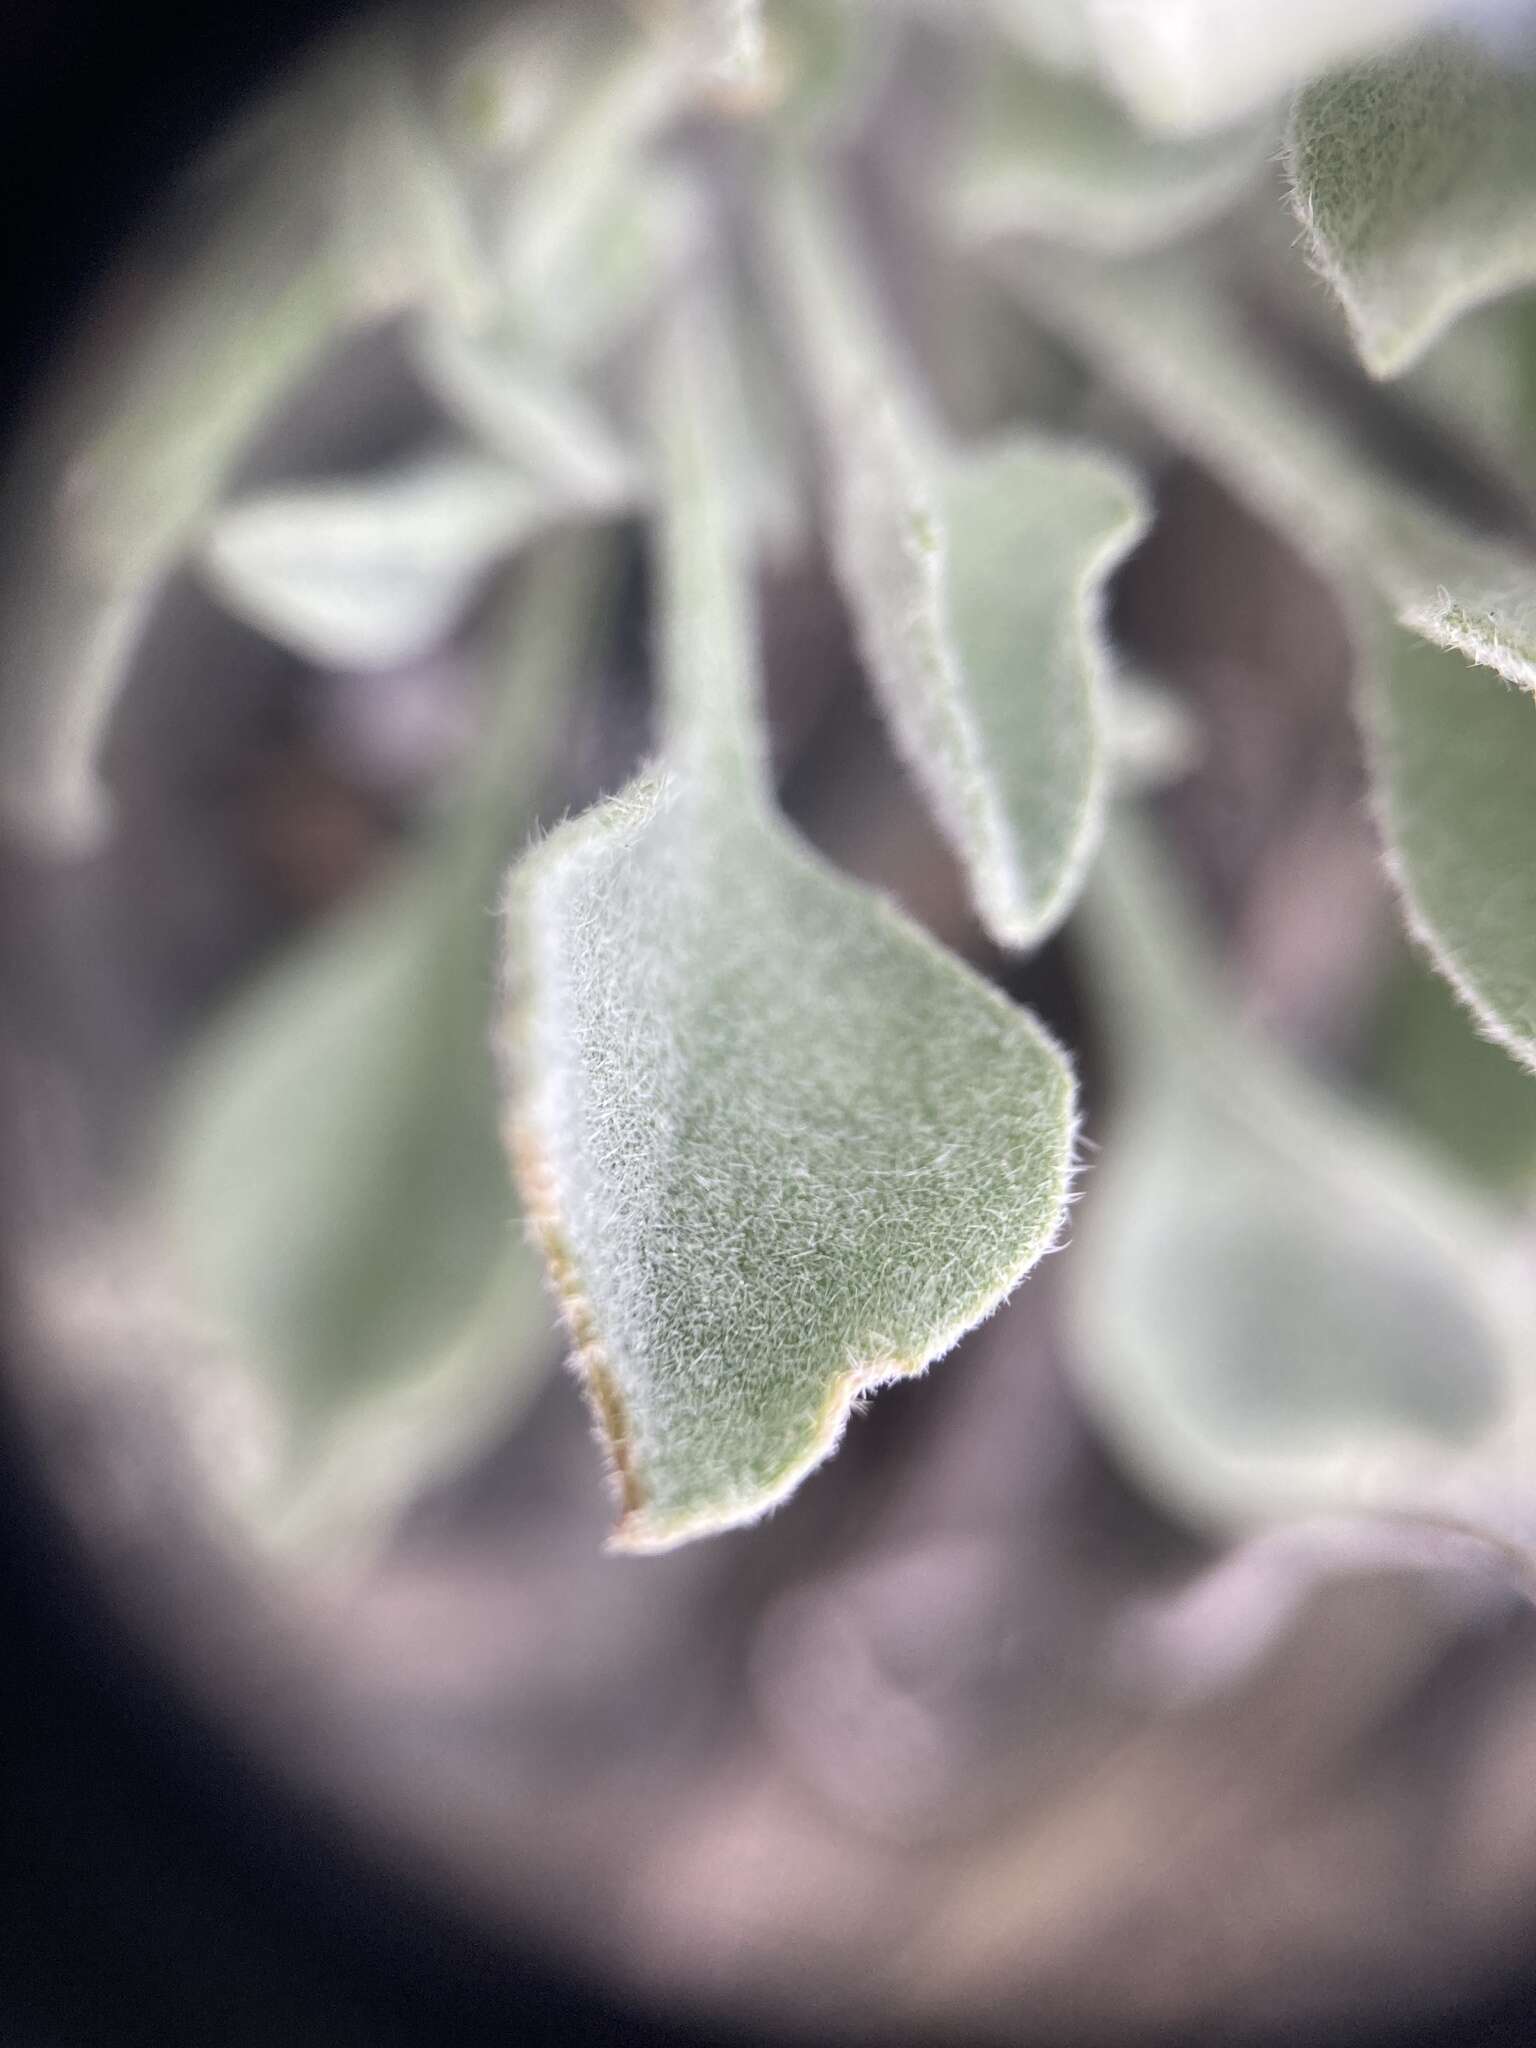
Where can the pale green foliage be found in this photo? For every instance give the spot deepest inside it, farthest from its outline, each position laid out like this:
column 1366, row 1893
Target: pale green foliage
column 730, row 42
column 1454, row 754
column 1279, row 1311
column 1058, row 158
column 1461, row 845
column 333, row 1180
column 370, row 574
column 529, row 414
column 1450, row 1084
column 1168, row 334
column 1477, row 384
column 975, row 579
column 338, row 224
column 778, row 1146
column 1415, row 178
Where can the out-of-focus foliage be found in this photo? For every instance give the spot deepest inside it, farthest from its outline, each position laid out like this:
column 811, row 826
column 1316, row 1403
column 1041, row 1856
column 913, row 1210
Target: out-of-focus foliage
column 776, row 1143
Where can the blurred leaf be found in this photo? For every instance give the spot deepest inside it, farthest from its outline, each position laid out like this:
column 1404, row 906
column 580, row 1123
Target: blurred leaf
column 1415, row 179
column 729, row 42
column 1279, row 1310
column 1183, row 66
column 587, row 224
column 527, row 413
column 827, row 61
column 1056, row 157
column 373, row 573
column 1453, row 754
column 343, row 209
column 1477, row 383
column 1431, row 1065
column 332, row 1172
column 777, row 1145
column 403, row 218
column 110, row 489
column 976, row 581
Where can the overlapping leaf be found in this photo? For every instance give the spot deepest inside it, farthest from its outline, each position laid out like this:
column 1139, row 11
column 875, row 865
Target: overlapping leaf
column 332, row 1176
column 976, row 580
column 1170, row 339
column 370, row 574
column 1415, row 179
column 778, row 1146
column 525, row 411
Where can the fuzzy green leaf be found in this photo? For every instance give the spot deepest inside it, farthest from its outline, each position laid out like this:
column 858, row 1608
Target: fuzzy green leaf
column 331, row 1173
column 779, row 1147
column 1415, row 179
column 976, row 580
column 1056, row 157
column 1453, row 754
column 1279, row 1311
column 370, row 574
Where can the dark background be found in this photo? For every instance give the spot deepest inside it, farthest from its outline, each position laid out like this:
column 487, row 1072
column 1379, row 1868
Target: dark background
column 159, row 1890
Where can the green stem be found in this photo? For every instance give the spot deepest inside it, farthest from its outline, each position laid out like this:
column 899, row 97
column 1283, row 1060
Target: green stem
column 708, row 660
column 846, row 345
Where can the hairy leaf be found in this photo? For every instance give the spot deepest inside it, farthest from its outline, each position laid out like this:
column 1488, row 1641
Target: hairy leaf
column 778, row 1146
column 1415, row 179
column 526, row 412
column 370, row 574
column 1453, row 751
column 976, row 581
column 1056, row 157
column 1279, row 1311
column 331, row 1169
column 1189, row 65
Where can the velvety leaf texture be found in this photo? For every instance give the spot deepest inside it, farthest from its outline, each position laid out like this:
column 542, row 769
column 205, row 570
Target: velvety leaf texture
column 1415, row 179
column 1453, row 751
column 778, row 1146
